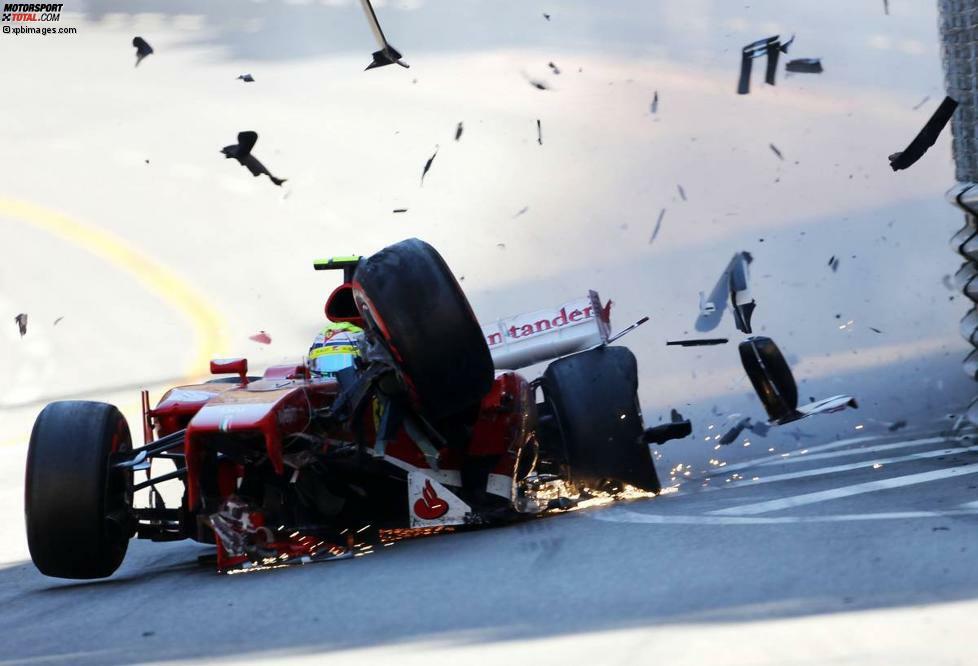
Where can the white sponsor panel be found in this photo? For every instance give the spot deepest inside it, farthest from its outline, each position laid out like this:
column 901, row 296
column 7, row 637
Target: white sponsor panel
column 525, row 339
column 430, row 503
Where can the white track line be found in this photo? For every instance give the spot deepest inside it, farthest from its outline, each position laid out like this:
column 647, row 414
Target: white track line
column 636, row 517
column 841, row 468
column 845, row 491
column 812, row 452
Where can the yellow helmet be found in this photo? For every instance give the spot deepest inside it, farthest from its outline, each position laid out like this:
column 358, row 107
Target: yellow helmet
column 334, row 349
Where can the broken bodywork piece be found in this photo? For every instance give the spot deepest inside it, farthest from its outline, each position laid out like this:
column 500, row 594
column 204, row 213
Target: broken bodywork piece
column 804, row 66
column 733, row 282
column 387, row 55
column 926, row 137
column 772, row 48
column 775, row 385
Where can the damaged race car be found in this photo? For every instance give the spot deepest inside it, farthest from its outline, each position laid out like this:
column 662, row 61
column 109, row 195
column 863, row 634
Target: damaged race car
column 417, row 419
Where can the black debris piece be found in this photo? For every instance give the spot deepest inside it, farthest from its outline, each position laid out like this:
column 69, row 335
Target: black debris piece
column 400, row 210
column 427, row 165
column 875, row 330
column 734, row 432
column 536, row 83
column 682, row 192
column 775, row 150
column 886, row 7
column 833, row 263
column 143, row 49
column 553, row 68
column 147, row 634
column 701, row 342
column 539, row 133
column 772, row 48
column 940, row 528
column 247, row 78
column 241, row 151
column 675, row 416
column 458, row 131
column 521, row 211
column 897, row 425
column 21, row 321
column 546, row 16
column 921, row 103
column 740, row 298
column 57, row 320
column 658, row 225
column 387, row 55
column 925, row 138
column 655, row 102
column 804, row 66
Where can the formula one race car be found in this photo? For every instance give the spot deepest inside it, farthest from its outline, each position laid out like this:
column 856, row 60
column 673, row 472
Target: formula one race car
column 430, row 425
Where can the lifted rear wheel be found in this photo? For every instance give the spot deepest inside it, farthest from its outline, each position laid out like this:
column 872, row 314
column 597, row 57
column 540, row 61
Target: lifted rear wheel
column 593, row 399
column 78, row 508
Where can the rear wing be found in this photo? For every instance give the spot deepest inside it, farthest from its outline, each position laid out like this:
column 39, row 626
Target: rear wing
column 524, row 339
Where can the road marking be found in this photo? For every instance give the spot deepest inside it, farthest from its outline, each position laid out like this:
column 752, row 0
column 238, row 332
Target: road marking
column 840, row 468
column 846, row 491
column 814, row 452
column 163, row 282
column 636, row 517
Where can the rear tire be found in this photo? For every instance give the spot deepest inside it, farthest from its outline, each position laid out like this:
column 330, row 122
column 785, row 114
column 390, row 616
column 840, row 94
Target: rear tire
column 410, row 299
column 593, row 396
column 770, row 375
column 77, row 508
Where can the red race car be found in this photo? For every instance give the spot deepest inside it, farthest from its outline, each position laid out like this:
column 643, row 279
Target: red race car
column 426, row 424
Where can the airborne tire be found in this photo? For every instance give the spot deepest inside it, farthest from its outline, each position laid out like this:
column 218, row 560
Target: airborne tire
column 77, row 508
column 408, row 296
column 770, row 375
column 593, row 396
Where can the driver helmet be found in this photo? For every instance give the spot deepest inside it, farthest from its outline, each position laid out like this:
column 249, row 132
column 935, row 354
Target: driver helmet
column 334, row 349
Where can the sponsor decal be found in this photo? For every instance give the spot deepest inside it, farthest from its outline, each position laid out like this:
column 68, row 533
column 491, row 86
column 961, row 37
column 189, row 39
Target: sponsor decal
column 26, row 12
column 542, row 322
column 430, row 506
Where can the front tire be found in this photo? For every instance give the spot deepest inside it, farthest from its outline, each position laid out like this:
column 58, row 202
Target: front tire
column 593, row 397
column 78, row 508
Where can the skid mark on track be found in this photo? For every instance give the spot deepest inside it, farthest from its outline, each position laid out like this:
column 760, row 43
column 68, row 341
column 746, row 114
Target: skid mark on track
column 164, row 283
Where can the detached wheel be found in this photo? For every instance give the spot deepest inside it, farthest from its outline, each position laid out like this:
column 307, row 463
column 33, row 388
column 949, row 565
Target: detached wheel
column 593, row 397
column 77, row 508
column 409, row 297
column 770, row 375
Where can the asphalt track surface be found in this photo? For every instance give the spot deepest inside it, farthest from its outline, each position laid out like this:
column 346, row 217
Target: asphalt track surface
column 834, row 540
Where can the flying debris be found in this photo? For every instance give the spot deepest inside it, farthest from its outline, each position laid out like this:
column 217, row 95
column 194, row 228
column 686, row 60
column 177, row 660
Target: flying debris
column 655, row 102
column 770, row 47
column 897, row 425
column 427, row 165
column 546, row 16
column 775, row 385
column 57, row 320
column 834, row 263
column 536, row 83
column 658, row 225
column 242, row 152
column 553, row 68
column 539, row 133
column 732, row 284
column 804, row 66
column 734, row 432
column 143, row 49
column 400, row 210
column 521, row 211
column 247, row 78
column 875, row 330
column 886, row 7
column 682, row 192
column 921, row 103
column 925, row 138
column 675, row 416
column 261, row 337
column 458, row 131
column 775, row 150
column 21, row 321
column 387, row 55
column 702, row 342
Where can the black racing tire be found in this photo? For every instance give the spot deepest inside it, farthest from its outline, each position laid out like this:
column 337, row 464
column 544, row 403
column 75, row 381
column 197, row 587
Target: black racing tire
column 408, row 296
column 593, row 396
column 770, row 375
column 77, row 508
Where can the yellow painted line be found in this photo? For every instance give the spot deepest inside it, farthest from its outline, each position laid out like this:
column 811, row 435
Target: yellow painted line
column 208, row 328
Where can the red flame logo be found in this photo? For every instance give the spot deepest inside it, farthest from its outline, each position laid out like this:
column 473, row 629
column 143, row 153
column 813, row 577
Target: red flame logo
column 430, row 506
